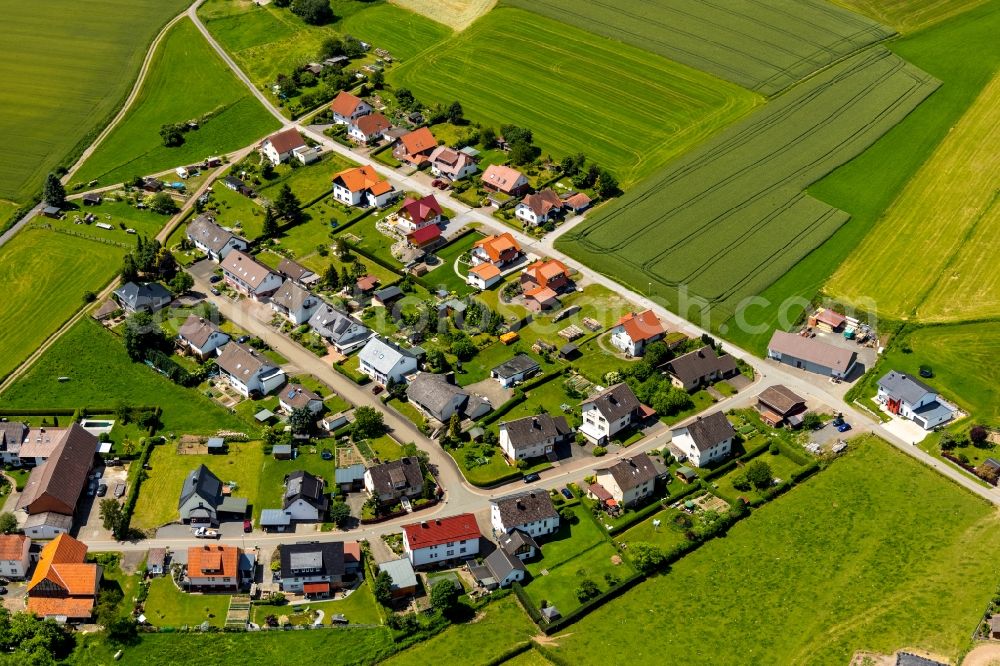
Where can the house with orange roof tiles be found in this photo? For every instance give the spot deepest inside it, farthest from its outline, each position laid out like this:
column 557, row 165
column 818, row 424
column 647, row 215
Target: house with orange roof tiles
column 539, row 208
column 368, row 128
column 551, row 273
column 498, row 250
column 416, row 147
column 214, row 568
column 483, row 276
column 15, row 556
column 636, row 330
column 363, row 187
column 64, row 586
column 347, row 108
column 504, row 179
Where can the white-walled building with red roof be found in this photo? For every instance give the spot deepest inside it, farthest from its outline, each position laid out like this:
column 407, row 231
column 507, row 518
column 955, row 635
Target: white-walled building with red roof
column 441, row 540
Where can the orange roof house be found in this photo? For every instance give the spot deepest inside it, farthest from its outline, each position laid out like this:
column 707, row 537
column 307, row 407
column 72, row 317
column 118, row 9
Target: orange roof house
column 415, row 147
column 541, row 298
column 499, row 250
column 483, row 276
column 64, row 585
column 369, row 127
column 552, row 274
column 634, row 331
column 361, row 185
column 213, row 567
column 346, row 107
column 500, row 178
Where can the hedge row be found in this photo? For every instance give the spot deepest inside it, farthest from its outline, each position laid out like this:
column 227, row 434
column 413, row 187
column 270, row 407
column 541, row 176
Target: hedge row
column 360, row 380
column 794, row 453
column 518, row 649
column 526, row 603
column 136, row 482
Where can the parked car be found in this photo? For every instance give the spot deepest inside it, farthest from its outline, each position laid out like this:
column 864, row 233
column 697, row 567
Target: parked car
column 531, row 478
column 843, row 427
column 206, row 533
column 338, row 619
column 102, row 490
column 215, row 278
column 119, row 490
column 326, row 454
column 216, row 292
column 243, row 339
column 837, row 422
column 3, row 591
column 376, row 389
column 247, row 525
column 926, row 372
column 566, row 493
column 91, row 488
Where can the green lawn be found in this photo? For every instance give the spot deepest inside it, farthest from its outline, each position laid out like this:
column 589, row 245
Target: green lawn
column 444, row 276
column 187, row 81
column 237, row 211
column 781, row 467
column 273, row 473
column 372, row 240
column 46, row 275
column 403, row 33
column 351, row 646
column 166, row 606
column 564, row 78
column 66, row 67
column 548, row 397
column 666, row 535
column 358, row 608
column 409, row 411
column 385, row 448
column 895, row 573
column 307, row 182
column 101, row 374
column 502, row 626
column 958, row 52
column 573, row 553
column 114, row 212
column 243, row 463
column 495, row 469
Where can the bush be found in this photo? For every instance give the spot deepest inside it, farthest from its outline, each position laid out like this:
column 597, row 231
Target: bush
column 587, row 590
column 774, row 449
column 600, row 451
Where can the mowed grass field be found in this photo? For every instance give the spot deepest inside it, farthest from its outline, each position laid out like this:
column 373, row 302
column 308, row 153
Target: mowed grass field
column 728, row 219
column 762, row 45
column 187, row 80
column 628, row 110
column 102, row 375
column 908, row 16
column 66, row 65
column 458, row 14
column 45, row 276
column 267, row 40
column 939, row 239
column 846, row 562
column 242, row 463
column 960, row 52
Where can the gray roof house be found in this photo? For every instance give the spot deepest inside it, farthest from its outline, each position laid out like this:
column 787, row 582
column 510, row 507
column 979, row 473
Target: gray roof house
column 201, row 336
column 392, row 481
column 629, row 480
column 438, row 398
column 530, row 511
column 499, row 569
column 532, row 436
column 202, row 499
column 297, row 273
column 305, row 496
column 699, row 368
column 212, row 239
column 518, row 543
column 609, row 412
column 811, row 354
column 515, row 370
column 404, row 580
column 144, row 297
column 338, row 328
column 295, row 396
column 312, row 567
column 383, row 361
column 248, row 371
column 706, row 440
column 906, row 396
column 294, row 302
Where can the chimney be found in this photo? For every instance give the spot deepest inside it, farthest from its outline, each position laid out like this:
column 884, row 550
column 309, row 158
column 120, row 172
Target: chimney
column 423, row 523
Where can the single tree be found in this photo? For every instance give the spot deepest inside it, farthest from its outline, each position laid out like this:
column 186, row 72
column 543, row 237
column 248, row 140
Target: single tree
column 313, row 12
column 607, row 184
column 587, row 590
column 978, row 434
column 331, row 278
column 182, row 283
column 129, row 272
column 382, row 588
column 171, row 135
column 8, row 523
column 521, row 153
column 331, row 47
column 301, row 420
column 162, row 203
column 368, row 423
column 287, row 205
column 454, row 113
column 53, row 192
column 646, row 556
column 759, row 474
column 112, row 516
column 141, row 334
column 454, row 426
column 340, row 513
column 270, row 226
column 811, row 421
column 377, row 79
column 444, row 596
column 488, row 138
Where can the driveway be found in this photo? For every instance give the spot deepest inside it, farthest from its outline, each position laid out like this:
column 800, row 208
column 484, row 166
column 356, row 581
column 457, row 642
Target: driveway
column 906, row 430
